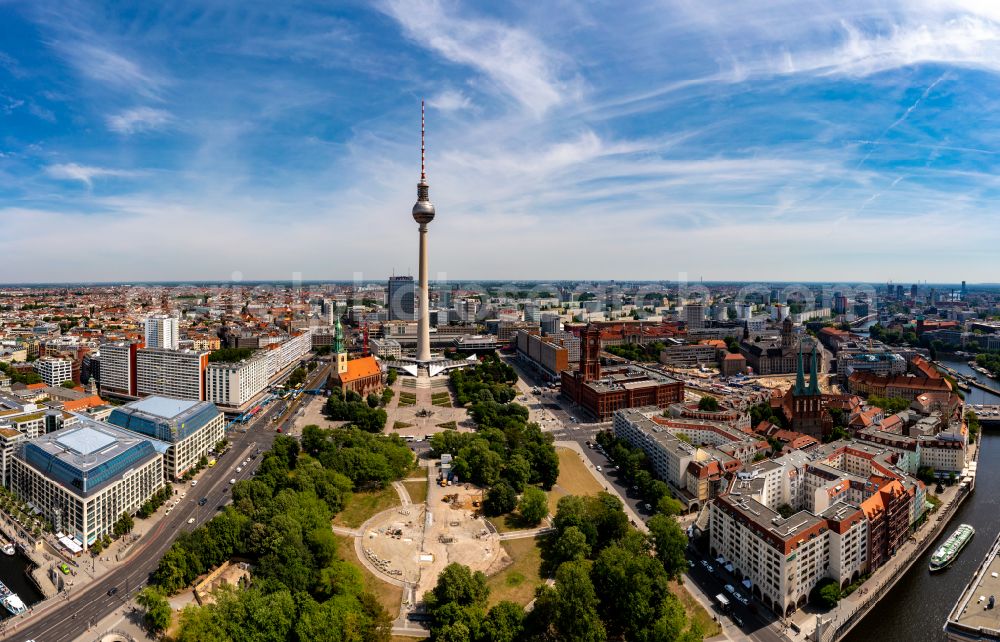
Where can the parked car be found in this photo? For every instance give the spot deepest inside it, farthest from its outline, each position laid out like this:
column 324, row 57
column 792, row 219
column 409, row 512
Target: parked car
column 730, row 589
column 232, row 481
column 708, row 567
column 598, row 469
column 191, row 520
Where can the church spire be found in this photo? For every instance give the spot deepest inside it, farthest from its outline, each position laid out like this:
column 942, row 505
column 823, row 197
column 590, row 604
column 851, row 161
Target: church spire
column 338, row 338
column 800, row 375
column 813, row 375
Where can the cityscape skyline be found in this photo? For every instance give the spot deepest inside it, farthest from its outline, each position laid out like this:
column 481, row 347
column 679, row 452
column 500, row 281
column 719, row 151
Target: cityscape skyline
column 216, row 142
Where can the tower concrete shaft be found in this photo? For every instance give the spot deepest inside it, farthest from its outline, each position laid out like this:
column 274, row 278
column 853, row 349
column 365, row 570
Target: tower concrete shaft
column 423, row 320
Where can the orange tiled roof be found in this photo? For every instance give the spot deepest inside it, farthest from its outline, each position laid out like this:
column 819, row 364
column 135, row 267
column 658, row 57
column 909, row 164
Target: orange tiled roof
column 360, row 369
column 37, row 386
column 83, row 404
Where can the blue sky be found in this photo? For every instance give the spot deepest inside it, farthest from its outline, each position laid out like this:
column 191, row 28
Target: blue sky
column 791, row 140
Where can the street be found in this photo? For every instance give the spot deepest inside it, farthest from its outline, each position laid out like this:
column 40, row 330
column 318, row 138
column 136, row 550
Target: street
column 67, row 615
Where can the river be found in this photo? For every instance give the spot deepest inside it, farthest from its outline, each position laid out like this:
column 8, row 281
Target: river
column 917, row 607
column 12, row 573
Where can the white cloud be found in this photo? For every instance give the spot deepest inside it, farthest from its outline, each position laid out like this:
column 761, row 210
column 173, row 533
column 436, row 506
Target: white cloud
column 139, row 119
column 450, row 100
column 85, row 173
column 510, row 57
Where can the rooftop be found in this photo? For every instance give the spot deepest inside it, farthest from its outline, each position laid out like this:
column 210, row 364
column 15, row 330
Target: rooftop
column 165, row 407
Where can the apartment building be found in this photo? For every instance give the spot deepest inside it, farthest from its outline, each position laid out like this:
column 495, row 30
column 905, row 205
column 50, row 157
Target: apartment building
column 162, row 332
column 53, row 370
column 171, row 373
column 118, row 368
column 233, row 385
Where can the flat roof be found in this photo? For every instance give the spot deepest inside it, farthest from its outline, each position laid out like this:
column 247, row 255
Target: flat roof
column 85, row 440
column 165, row 407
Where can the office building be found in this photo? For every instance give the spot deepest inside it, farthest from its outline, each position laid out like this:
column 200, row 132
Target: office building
column 402, row 298
column 386, row 348
column 171, row 373
column 162, row 332
column 192, row 428
column 83, row 478
column 53, row 370
column 694, row 316
column 551, row 322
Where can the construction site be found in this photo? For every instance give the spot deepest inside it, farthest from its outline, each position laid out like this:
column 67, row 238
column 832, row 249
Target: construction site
column 412, row 544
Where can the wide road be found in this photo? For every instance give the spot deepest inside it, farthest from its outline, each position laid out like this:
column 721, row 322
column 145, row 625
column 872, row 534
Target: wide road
column 64, row 620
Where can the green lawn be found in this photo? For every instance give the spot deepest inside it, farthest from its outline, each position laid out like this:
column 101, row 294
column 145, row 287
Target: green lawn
column 417, row 491
column 518, row 581
column 389, row 595
column 399, row 425
column 361, row 506
column 574, row 478
column 448, row 425
column 407, row 399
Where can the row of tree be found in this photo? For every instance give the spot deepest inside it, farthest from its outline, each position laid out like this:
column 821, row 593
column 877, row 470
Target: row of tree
column 490, row 380
column 635, row 467
column 361, row 413
column 611, row 583
column 280, row 522
column 636, row 352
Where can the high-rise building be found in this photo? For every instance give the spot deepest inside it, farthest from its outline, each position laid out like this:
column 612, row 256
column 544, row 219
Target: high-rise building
column 161, row 332
column 402, row 298
column 53, row 370
column 171, row 373
column 117, row 373
column 694, row 316
column 234, row 384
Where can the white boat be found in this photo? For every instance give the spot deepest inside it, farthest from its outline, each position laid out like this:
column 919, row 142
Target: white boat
column 8, row 548
column 11, row 601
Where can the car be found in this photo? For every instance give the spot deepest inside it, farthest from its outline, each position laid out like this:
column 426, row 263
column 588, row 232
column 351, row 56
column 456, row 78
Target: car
column 203, row 501
column 183, row 495
column 647, row 506
column 737, row 621
column 194, row 482
column 598, row 469
column 239, row 470
column 708, row 567
column 742, row 599
column 191, row 521
column 112, row 591
column 690, row 563
column 730, row 589
column 232, row 481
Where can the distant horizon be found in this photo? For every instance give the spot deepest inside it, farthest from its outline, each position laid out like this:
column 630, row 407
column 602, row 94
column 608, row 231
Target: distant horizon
column 250, row 282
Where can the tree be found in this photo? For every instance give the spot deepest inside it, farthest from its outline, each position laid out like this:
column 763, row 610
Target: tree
column 708, row 403
column 500, row 499
column 669, row 506
column 68, row 384
column 670, row 543
column 533, row 506
column 785, row 510
column 570, row 545
column 826, row 593
column 503, row 623
column 158, row 611
column 576, row 616
column 373, row 400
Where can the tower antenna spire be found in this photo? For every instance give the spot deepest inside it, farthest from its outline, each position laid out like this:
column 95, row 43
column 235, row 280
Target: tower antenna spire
column 423, row 172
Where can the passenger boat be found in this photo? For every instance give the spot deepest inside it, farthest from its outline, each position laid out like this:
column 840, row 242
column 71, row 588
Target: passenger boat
column 7, row 548
column 948, row 552
column 11, row 601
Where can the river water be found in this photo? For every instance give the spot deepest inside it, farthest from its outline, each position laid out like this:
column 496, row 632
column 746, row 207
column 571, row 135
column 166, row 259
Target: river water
column 12, row 573
column 917, row 607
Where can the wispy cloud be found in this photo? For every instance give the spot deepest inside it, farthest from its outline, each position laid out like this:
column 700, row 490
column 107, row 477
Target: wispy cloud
column 139, row 119
column 510, row 57
column 85, row 173
column 450, row 100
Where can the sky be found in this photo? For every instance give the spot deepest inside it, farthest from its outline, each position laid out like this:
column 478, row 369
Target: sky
column 771, row 140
